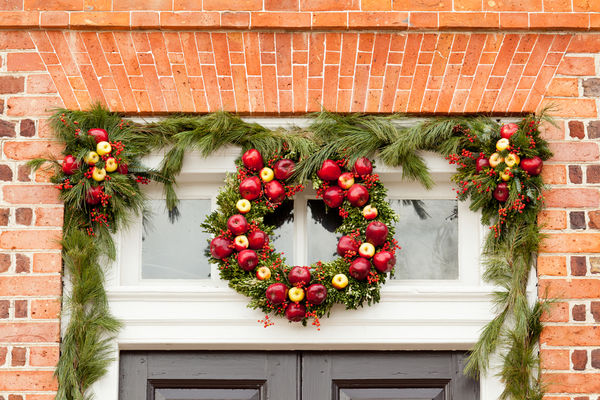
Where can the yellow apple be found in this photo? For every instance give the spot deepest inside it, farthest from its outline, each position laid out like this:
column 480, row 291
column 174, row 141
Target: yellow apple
column 502, row 144
column 339, row 281
column 366, row 250
column 505, row 175
column 103, row 148
column 243, row 206
column 111, row 164
column 495, row 159
column 296, row 294
column 91, row 158
column 267, row 174
column 98, row 174
column 512, row 159
column 263, row 273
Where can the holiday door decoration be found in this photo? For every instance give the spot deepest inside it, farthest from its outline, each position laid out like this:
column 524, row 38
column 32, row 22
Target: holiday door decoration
column 100, row 176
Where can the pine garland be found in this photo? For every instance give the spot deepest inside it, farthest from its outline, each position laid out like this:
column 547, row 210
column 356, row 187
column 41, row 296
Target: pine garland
column 508, row 255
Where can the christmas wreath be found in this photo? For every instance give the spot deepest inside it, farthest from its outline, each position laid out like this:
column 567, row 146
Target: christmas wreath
column 251, row 264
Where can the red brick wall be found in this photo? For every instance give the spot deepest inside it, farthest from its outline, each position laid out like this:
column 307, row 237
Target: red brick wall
column 288, row 57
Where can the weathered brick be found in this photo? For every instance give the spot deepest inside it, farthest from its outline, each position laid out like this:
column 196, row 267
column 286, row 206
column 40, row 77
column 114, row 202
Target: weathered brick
column 594, row 129
column 578, row 312
column 7, row 128
column 11, row 84
column 591, row 87
column 6, row 173
column 576, row 129
column 573, row 335
column 28, row 194
column 4, row 214
column 595, row 265
column 24, row 216
column 21, row 308
column 579, row 359
column 593, row 174
column 3, row 353
column 19, row 356
column 563, row 198
column 552, row 219
column 23, row 264
column 596, row 358
column 577, row 151
column 23, row 173
column 45, row 309
column 43, row 356
column 554, row 359
column 578, row 265
column 4, row 262
column 594, row 219
column 575, row 175
column 27, row 381
column 557, row 312
column 4, row 309
column 595, row 310
column 49, row 217
column 577, row 219
column 27, row 128
column 552, row 265
column 30, row 239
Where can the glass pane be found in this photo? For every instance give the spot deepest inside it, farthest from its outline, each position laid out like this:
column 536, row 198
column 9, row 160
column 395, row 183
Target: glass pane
column 282, row 219
column 428, row 234
column 392, row 394
column 176, row 250
column 321, row 239
column 207, row 394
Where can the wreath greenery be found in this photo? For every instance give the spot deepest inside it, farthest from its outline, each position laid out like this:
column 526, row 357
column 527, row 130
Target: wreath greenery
column 508, row 254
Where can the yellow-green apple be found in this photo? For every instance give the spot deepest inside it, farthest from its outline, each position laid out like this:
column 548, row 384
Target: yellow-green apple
column 295, row 312
column 221, row 247
column 243, row 206
column 512, row 159
column 247, row 259
column 496, row 159
column 257, row 239
column 111, row 164
column 339, row 281
column 237, row 224
column 346, row 180
column 508, row 130
column 333, row 196
column 358, row 195
column 347, row 244
column 363, row 167
column 505, row 175
column 266, row 174
column 99, row 134
column 502, row 144
column 376, row 233
column 263, row 273
column 98, row 174
column 299, row 276
column 93, row 196
column 284, row 169
column 329, row 171
column 252, row 159
column 384, row 261
column 250, row 188
column 316, row 294
column 366, row 250
column 276, row 293
column 240, row 242
column 533, row 166
column 275, row 191
column 69, row 165
column 501, row 192
column 296, row 294
column 481, row 163
column 103, row 148
column 360, row 268
column 91, row 158
column 369, row 212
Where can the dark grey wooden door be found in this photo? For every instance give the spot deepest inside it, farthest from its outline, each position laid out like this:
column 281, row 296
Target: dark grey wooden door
column 295, row 376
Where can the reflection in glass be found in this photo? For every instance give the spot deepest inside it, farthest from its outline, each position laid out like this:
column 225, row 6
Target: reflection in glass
column 282, row 219
column 321, row 238
column 428, row 234
column 176, row 250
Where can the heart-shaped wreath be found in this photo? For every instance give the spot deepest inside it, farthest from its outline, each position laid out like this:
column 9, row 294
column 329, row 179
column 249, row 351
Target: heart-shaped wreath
column 252, row 266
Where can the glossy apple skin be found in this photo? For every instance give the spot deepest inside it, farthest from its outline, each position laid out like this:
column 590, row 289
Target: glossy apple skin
column 247, row 259
column 508, row 130
column 533, row 166
column 346, row 244
column 123, row 169
column 295, row 312
column 257, row 239
column 296, row 294
column 370, row 212
column 384, row 261
column 250, row 188
column 299, row 276
column 316, row 294
column 69, row 165
column 276, row 293
column 366, row 250
column 275, row 191
column 481, row 163
column 284, row 169
column 346, row 180
column 237, row 224
column 333, row 196
column 359, row 269
column 252, row 159
column 221, row 247
column 92, row 197
column 363, row 167
column 240, row 243
column 263, row 273
column 337, row 284
column 358, row 195
column 99, row 134
column 376, row 233
column 501, row 192
column 329, row 171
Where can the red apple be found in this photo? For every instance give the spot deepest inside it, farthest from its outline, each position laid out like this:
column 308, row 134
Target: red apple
column 508, row 130
column 221, row 247
column 247, row 259
column 276, row 293
column 533, row 166
column 501, row 192
column 295, row 312
column 263, row 273
column 346, row 244
column 363, row 167
column 299, row 276
column 92, row 197
column 250, row 188
column 69, row 165
column 384, row 261
column 370, row 212
column 376, row 233
column 358, row 195
column 240, row 242
column 316, row 294
column 284, row 169
column 252, row 160
column 333, row 196
column 275, row 191
column 329, row 171
column 257, row 239
column 359, row 269
column 99, row 134
column 346, row 180
column 237, row 224
column 123, row 169
column 481, row 163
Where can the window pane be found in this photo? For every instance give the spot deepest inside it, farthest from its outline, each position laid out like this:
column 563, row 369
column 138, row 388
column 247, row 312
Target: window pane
column 282, row 219
column 321, row 239
column 176, row 250
column 428, row 234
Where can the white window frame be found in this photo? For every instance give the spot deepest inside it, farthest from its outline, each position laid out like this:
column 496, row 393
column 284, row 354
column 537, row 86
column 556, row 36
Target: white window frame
column 207, row 315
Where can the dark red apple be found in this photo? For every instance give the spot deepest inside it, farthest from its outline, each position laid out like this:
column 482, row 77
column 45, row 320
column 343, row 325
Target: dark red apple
column 237, row 224
column 333, row 196
column 508, row 130
column 384, row 261
column 501, row 192
column 93, row 196
column 376, row 233
column 346, row 244
column 247, row 259
column 221, row 247
column 277, row 293
column 299, row 276
column 329, row 171
column 358, row 195
column 363, row 167
column 481, row 163
column 123, row 169
column 253, row 160
column 257, row 239
column 316, row 294
column 99, row 134
column 69, row 165
column 250, row 188
column 533, row 166
column 295, row 312
column 359, row 269
column 275, row 191
column 284, row 169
